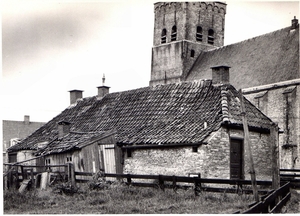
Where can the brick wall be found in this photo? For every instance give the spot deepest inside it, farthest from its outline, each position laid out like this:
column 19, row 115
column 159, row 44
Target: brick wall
column 211, row 160
column 172, row 60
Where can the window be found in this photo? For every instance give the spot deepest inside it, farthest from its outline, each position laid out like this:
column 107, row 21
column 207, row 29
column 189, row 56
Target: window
column 164, row 36
column 47, row 161
column 210, row 38
column 69, row 159
column 195, row 148
column 192, row 53
column 174, row 33
column 199, row 34
column 129, row 153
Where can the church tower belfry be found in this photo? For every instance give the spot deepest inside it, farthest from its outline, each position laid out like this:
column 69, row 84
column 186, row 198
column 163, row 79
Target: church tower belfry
column 182, row 30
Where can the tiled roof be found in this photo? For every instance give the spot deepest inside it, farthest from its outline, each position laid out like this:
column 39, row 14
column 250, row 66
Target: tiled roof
column 163, row 114
column 269, row 58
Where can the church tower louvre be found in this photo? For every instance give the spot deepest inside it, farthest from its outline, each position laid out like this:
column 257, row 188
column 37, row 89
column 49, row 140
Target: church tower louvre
column 182, row 30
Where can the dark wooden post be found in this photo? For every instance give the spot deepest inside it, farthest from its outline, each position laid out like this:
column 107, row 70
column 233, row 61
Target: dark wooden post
column 248, row 146
column 197, row 185
column 9, row 178
column 128, row 179
column 161, row 182
column 23, row 173
column 72, row 175
column 174, row 183
column 275, row 156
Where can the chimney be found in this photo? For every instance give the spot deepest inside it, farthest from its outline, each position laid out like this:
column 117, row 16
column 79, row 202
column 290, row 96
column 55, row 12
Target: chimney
column 294, row 23
column 220, row 74
column 26, row 119
column 75, row 95
column 63, row 128
column 103, row 90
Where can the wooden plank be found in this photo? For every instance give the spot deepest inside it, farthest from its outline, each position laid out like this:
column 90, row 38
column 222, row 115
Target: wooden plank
column 258, row 208
column 84, row 173
column 289, row 170
column 275, row 156
column 24, row 185
column 281, row 203
column 248, row 145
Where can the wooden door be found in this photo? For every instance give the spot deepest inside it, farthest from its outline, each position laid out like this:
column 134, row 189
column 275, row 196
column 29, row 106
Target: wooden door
column 236, row 159
column 109, row 160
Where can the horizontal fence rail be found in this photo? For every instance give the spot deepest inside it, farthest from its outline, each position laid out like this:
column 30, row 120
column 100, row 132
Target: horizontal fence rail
column 273, row 202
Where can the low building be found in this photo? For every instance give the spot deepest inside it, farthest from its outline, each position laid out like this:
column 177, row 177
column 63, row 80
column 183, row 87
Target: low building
column 172, row 129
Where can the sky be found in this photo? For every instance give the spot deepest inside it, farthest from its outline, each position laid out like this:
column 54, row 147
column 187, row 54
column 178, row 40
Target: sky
column 50, row 47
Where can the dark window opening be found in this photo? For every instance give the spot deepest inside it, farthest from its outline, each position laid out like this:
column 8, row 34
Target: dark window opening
column 192, row 53
column 129, row 153
column 195, row 148
column 69, row 159
column 164, row 36
column 174, row 33
column 199, row 34
column 210, row 38
column 47, row 161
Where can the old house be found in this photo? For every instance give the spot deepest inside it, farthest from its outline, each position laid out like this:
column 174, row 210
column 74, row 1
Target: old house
column 189, row 39
column 173, row 129
column 14, row 132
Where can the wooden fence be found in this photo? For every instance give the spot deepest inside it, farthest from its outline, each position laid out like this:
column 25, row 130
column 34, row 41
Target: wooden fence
column 291, row 175
column 272, row 202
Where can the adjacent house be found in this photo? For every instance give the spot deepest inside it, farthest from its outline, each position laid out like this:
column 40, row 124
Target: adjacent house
column 172, row 129
column 15, row 131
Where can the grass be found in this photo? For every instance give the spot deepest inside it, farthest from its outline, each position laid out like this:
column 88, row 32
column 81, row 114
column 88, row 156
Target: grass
column 122, row 199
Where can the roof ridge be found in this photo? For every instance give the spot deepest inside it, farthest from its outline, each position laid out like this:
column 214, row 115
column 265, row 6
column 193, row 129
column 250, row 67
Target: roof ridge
column 224, row 104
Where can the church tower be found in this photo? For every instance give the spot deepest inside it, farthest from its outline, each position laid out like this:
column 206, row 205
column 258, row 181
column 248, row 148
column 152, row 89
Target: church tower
column 182, row 30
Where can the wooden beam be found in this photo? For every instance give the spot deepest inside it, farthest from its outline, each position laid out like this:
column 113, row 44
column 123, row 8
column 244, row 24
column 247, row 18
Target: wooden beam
column 275, row 156
column 248, row 146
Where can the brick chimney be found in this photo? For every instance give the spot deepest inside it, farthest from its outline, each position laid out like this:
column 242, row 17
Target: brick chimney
column 294, row 23
column 103, row 90
column 26, row 119
column 75, row 95
column 220, row 74
column 63, row 128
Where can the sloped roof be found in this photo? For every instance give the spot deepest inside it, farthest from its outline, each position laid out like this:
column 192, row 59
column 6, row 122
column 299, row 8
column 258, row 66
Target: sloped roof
column 269, row 58
column 163, row 114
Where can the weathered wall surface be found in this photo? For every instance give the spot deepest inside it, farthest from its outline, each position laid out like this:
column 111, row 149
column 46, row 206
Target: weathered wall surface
column 282, row 105
column 172, row 60
column 211, row 160
column 187, row 16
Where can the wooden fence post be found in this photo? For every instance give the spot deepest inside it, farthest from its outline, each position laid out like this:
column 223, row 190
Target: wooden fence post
column 72, row 175
column 161, row 182
column 275, row 156
column 128, row 179
column 174, row 183
column 248, row 146
column 197, row 186
column 9, row 179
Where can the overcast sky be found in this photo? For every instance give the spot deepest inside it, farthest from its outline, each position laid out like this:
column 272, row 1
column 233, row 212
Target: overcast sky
column 51, row 47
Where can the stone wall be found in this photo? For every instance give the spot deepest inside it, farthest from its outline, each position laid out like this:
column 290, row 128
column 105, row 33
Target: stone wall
column 282, row 105
column 211, row 160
